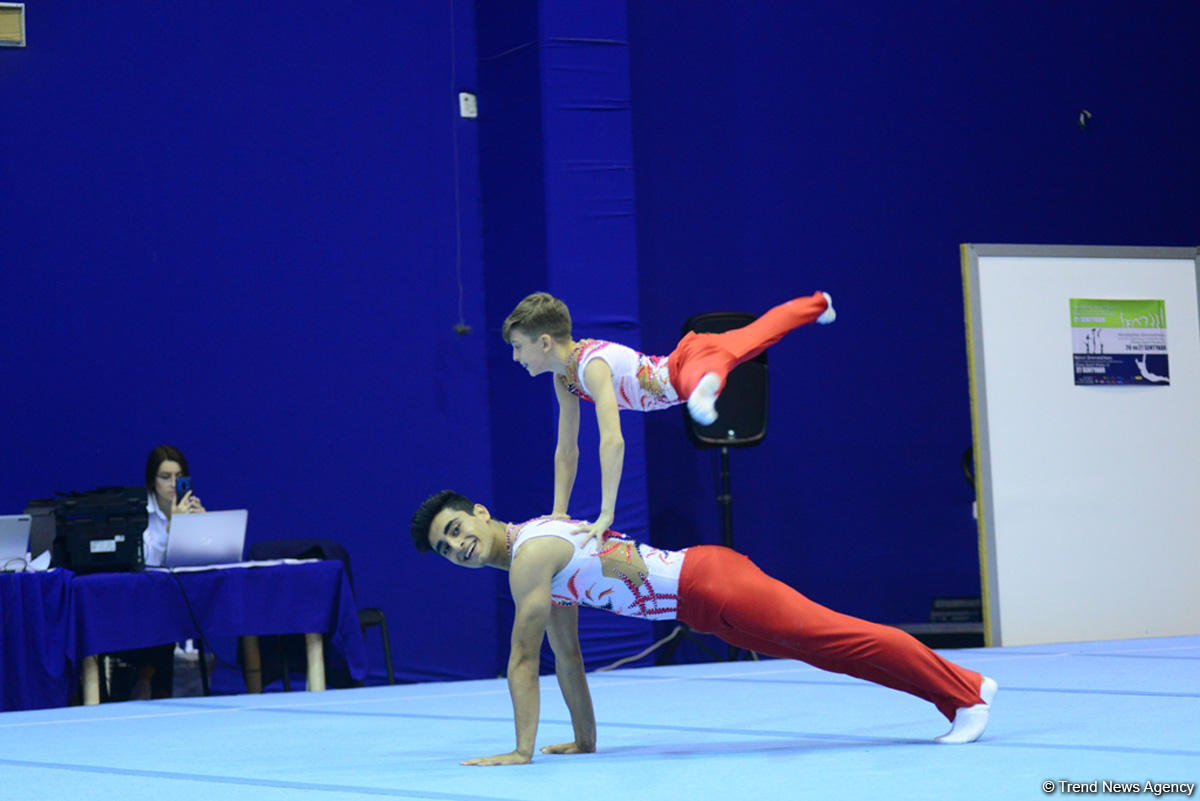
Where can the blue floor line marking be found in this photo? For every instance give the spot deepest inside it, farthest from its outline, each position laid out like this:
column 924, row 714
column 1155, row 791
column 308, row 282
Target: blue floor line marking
column 843, row 742
column 862, row 684
column 251, row 782
column 1104, row 655
column 868, row 739
column 1142, row 656
column 769, row 733
column 1115, row 749
column 301, row 710
column 176, row 702
column 404, row 715
column 1077, row 691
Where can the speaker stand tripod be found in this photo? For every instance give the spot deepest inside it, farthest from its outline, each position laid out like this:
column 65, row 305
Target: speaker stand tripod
column 725, row 499
column 741, row 422
column 682, row 631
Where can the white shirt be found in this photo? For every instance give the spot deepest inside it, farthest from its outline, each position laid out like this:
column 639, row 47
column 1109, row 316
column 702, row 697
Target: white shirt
column 639, row 381
column 630, row 578
column 154, row 538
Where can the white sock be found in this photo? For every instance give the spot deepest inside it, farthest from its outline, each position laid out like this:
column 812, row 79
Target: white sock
column 702, row 403
column 829, row 315
column 970, row 721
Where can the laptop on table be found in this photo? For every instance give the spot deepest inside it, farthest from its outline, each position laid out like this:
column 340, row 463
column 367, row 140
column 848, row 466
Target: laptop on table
column 206, row 538
column 14, row 541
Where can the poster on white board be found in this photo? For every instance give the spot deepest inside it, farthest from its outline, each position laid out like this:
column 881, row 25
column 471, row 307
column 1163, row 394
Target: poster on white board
column 1120, row 342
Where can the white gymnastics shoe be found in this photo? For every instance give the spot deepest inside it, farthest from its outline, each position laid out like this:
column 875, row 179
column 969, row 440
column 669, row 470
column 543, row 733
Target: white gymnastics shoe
column 829, row 315
column 970, row 721
column 702, row 403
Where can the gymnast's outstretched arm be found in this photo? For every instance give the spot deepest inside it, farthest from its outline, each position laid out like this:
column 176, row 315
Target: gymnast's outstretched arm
column 529, row 578
column 568, row 666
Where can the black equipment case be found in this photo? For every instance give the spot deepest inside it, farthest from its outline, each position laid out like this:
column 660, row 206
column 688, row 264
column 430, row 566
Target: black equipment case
column 100, row 530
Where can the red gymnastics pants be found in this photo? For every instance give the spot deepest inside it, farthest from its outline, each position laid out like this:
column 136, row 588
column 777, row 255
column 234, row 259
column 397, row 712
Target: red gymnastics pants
column 697, row 354
column 722, row 592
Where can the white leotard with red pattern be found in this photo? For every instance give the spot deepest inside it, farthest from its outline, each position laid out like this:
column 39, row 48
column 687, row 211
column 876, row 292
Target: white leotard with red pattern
column 622, row 576
column 640, row 382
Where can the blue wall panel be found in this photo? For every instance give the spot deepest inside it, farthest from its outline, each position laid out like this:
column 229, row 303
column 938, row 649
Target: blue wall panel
column 592, row 251
column 782, row 148
column 234, row 229
column 559, row 217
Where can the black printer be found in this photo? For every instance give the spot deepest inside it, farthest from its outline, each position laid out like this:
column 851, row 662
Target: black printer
column 95, row 531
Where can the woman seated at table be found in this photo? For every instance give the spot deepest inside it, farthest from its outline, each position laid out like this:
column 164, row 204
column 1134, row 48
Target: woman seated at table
column 164, row 467
column 166, row 464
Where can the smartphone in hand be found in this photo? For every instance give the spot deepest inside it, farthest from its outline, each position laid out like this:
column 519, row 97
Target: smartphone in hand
column 183, row 485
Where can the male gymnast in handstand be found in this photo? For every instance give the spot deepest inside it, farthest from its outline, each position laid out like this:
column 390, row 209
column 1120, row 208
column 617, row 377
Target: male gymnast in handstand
column 554, row 566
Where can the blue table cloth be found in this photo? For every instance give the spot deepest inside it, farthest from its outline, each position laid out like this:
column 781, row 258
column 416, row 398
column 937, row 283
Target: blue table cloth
column 52, row 620
column 36, row 655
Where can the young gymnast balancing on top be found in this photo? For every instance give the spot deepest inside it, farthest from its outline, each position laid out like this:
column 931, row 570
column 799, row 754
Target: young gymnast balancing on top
column 616, row 377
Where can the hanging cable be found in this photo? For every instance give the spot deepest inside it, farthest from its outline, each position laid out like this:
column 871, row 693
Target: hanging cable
column 461, row 328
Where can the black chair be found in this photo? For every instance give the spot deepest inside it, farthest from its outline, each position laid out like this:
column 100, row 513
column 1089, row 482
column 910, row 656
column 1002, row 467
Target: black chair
column 275, row 652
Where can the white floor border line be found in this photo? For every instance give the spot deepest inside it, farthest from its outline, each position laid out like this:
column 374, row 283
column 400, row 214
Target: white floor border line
column 598, row 680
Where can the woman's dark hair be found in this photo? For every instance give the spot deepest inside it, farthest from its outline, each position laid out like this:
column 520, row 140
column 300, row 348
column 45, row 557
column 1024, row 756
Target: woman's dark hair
column 423, row 518
column 163, row 453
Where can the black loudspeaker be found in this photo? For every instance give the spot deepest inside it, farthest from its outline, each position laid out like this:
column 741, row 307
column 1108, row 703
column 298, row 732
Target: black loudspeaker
column 742, row 406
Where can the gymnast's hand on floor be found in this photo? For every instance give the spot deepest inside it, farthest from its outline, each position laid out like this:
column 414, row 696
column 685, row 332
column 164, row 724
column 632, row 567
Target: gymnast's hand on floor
column 511, row 758
column 566, row 748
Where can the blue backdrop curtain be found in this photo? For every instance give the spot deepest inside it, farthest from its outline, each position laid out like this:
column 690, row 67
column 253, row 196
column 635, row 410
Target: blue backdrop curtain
column 567, row 67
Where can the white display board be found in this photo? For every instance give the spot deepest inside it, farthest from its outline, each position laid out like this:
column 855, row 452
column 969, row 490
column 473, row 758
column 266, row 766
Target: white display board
column 1088, row 496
